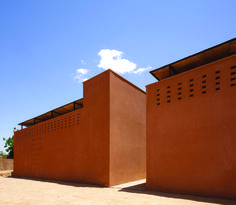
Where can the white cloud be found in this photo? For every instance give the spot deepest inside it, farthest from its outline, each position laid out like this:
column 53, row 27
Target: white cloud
column 82, row 71
column 112, row 59
column 80, row 74
column 140, row 70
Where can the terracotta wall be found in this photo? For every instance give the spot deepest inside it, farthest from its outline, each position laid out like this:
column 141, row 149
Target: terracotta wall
column 96, row 105
column 191, row 137
column 127, row 131
column 75, row 146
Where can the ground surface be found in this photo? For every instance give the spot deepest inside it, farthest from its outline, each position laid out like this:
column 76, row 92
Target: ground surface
column 29, row 191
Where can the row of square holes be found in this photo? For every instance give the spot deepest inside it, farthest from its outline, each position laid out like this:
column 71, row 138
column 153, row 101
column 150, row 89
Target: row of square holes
column 233, row 76
column 191, row 85
column 51, row 126
column 35, row 156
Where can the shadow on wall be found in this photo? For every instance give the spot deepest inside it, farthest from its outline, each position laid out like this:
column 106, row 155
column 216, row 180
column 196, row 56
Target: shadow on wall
column 141, row 189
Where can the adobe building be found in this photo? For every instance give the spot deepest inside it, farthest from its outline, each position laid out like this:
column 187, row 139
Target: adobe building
column 100, row 139
column 191, row 124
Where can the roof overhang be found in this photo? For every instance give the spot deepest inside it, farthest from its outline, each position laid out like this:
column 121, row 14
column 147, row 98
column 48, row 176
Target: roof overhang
column 209, row 55
column 75, row 105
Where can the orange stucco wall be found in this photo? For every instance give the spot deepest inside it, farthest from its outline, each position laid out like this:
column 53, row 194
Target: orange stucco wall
column 191, row 136
column 75, row 146
column 127, row 131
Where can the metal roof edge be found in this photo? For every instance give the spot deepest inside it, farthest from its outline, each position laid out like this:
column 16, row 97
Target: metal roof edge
column 200, row 52
column 50, row 111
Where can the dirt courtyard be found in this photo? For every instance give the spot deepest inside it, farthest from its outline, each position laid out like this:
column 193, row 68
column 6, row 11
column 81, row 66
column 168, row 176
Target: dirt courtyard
column 30, row 191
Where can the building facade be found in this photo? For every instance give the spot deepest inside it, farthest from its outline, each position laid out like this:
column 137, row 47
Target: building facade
column 100, row 139
column 191, row 118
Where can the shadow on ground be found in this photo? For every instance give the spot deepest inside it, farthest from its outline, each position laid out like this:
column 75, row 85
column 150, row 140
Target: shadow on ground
column 74, row 184
column 141, row 189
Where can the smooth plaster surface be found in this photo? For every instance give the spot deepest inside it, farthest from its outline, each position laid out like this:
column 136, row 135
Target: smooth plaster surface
column 95, row 144
column 191, row 135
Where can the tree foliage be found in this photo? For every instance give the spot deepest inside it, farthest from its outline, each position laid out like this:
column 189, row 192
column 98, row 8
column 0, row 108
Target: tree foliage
column 9, row 145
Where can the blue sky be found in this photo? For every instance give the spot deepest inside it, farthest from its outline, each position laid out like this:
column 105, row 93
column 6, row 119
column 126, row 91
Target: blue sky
column 47, row 48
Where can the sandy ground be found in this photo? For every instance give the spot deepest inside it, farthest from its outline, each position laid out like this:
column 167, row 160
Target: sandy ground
column 29, row 191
